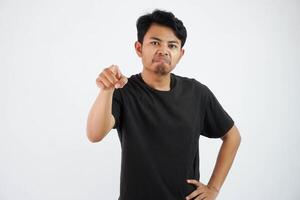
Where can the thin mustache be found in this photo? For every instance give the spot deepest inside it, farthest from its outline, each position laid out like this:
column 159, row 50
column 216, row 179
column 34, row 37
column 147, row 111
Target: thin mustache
column 161, row 58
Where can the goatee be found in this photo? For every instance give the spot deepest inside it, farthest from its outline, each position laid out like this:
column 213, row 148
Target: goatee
column 161, row 70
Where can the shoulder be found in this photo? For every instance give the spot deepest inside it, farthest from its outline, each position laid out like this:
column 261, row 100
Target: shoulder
column 192, row 82
column 133, row 87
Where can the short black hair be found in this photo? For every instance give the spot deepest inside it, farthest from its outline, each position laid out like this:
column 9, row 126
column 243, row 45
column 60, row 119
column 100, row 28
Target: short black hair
column 164, row 18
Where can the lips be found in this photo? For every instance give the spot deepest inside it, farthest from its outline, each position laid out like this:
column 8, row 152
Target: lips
column 161, row 59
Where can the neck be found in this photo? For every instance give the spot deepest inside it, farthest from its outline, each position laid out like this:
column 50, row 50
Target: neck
column 158, row 82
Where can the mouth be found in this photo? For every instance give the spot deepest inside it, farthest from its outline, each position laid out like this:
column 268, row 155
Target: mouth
column 160, row 59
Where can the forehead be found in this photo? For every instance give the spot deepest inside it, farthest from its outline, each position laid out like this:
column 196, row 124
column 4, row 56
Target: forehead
column 161, row 32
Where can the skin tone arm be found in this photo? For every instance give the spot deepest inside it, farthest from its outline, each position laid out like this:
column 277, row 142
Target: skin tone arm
column 100, row 119
column 228, row 150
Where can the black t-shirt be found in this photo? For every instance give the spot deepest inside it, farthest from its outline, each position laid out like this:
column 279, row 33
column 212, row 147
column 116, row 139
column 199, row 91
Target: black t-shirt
column 159, row 135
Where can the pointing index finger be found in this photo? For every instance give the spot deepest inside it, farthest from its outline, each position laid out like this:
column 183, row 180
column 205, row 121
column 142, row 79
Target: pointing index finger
column 114, row 69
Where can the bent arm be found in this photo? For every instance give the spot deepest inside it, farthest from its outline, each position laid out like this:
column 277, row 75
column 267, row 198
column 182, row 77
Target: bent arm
column 100, row 119
column 228, row 150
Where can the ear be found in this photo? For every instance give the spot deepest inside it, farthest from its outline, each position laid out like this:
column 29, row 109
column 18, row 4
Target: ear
column 181, row 53
column 138, row 48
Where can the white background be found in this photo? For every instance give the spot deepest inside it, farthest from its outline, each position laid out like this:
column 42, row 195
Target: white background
column 246, row 52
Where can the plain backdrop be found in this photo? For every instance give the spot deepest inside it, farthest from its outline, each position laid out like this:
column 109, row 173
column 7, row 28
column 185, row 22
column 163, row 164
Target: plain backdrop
column 51, row 52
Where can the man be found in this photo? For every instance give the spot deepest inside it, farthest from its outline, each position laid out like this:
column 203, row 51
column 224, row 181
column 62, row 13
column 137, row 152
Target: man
column 159, row 117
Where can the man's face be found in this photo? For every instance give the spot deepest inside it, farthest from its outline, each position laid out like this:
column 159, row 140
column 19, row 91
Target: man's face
column 161, row 50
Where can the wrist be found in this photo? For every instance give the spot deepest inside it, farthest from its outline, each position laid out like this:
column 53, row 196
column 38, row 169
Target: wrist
column 107, row 91
column 213, row 188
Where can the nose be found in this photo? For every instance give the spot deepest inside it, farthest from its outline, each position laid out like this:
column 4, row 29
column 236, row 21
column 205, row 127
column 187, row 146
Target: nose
column 163, row 50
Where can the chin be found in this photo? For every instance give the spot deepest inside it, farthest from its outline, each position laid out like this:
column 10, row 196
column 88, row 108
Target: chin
column 162, row 69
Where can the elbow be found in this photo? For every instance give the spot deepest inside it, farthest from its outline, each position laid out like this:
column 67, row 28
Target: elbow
column 96, row 133
column 93, row 137
column 94, row 140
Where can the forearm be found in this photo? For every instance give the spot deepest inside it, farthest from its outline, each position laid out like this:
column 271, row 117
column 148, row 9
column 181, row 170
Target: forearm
column 99, row 119
column 225, row 159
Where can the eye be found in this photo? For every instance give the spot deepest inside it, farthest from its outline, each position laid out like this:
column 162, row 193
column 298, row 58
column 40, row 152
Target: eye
column 172, row 46
column 154, row 42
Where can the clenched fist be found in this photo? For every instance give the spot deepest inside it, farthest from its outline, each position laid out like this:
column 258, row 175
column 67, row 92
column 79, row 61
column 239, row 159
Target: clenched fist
column 111, row 78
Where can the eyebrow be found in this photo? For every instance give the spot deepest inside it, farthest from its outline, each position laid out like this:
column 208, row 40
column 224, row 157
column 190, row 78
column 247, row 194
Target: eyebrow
column 172, row 41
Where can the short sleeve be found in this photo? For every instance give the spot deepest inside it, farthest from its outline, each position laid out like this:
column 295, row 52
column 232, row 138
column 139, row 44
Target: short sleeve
column 116, row 107
column 217, row 121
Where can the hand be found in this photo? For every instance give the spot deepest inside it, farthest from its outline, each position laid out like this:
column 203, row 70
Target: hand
column 111, row 78
column 203, row 192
